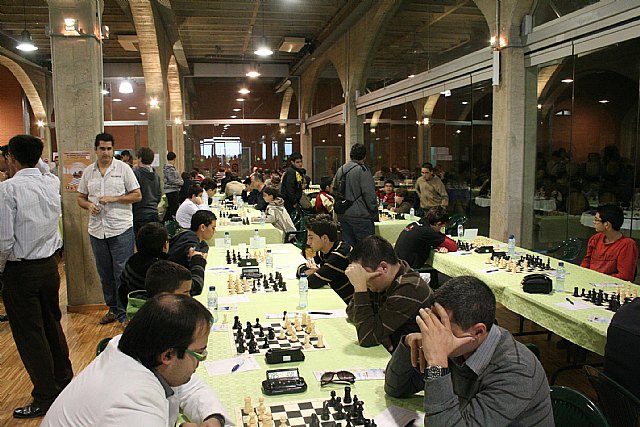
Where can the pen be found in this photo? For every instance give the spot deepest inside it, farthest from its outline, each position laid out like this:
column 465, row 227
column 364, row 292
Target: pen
column 492, row 271
column 321, row 312
column 236, row 366
column 569, row 301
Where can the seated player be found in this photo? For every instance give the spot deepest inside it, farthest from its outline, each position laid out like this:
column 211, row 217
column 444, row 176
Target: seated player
column 472, row 371
column 415, row 242
column 163, row 277
column 324, row 199
column 609, row 251
column 623, row 347
column 331, row 257
column 388, row 294
column 183, row 244
column 386, row 195
column 145, row 376
column 191, row 205
column 210, row 189
column 401, row 204
column 152, row 246
column 276, row 212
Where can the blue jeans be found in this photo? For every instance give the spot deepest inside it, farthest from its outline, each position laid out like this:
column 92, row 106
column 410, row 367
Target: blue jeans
column 355, row 230
column 111, row 255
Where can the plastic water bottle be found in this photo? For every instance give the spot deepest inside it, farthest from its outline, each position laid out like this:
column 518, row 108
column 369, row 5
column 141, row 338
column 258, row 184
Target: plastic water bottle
column 511, row 243
column 234, row 198
column 560, row 273
column 412, row 213
column 263, row 218
column 303, row 287
column 269, row 259
column 227, row 240
column 256, row 234
column 460, row 231
column 212, row 302
column 380, row 205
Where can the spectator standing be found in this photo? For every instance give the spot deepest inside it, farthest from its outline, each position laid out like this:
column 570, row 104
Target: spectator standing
column 146, row 210
column 430, row 189
column 172, row 184
column 357, row 222
column 291, row 186
column 29, row 238
column 125, row 156
column 107, row 190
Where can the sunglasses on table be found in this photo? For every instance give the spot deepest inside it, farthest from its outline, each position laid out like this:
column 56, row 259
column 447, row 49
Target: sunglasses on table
column 337, row 378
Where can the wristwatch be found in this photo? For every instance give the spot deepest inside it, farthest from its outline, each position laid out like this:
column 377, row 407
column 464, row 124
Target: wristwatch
column 435, row 371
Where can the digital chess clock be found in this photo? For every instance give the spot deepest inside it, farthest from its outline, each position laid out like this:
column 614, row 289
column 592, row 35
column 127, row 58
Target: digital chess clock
column 283, row 381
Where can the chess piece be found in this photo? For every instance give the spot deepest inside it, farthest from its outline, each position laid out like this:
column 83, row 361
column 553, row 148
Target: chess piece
column 314, row 421
column 320, row 342
column 236, row 322
column 297, row 324
column 307, row 344
column 247, row 405
column 253, row 347
column 293, row 337
column 261, row 333
column 253, row 420
column 332, row 401
column 261, row 407
column 267, row 419
column 324, row 416
column 283, row 421
column 266, row 343
column 339, row 414
column 241, row 348
column 282, row 335
column 347, row 395
column 271, row 334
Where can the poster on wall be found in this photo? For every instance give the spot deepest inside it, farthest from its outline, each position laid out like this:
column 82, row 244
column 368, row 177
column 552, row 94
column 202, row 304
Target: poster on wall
column 73, row 165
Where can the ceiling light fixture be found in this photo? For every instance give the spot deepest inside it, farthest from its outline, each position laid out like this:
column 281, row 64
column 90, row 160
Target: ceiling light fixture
column 283, row 131
column 263, row 47
column 240, row 99
column 233, row 117
column 40, row 123
column 603, row 101
column 133, row 108
column 125, row 87
column 154, row 103
column 411, row 76
column 465, row 102
column 177, row 121
column 244, row 91
column 566, row 80
column 117, row 100
column 252, row 74
column 236, row 109
column 26, row 43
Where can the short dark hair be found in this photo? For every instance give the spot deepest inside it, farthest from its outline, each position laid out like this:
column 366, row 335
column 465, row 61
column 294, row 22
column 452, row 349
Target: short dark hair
column 125, row 153
column 202, row 217
column 145, row 154
column 165, row 276
column 209, row 184
column 26, row 149
column 258, row 177
column 436, row 214
column 294, row 156
column 469, row 299
column 402, row 192
column 612, row 214
column 194, row 190
column 390, row 181
column 325, row 182
column 323, row 225
column 272, row 191
column 106, row 137
column 427, row 165
column 358, row 152
column 247, row 181
column 162, row 323
column 171, row 155
column 151, row 238
column 372, row 250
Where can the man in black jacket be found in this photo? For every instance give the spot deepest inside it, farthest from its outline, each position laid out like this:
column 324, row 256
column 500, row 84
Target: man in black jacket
column 203, row 227
column 146, row 210
column 291, row 188
column 257, row 183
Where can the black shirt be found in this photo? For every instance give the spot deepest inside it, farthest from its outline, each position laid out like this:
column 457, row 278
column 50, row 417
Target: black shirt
column 416, row 241
column 623, row 347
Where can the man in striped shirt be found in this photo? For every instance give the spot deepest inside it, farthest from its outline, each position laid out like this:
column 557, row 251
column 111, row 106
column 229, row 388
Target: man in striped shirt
column 388, row 294
column 473, row 373
column 331, row 259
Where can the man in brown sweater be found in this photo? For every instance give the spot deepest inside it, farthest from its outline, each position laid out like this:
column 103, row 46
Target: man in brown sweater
column 430, row 188
column 388, row 294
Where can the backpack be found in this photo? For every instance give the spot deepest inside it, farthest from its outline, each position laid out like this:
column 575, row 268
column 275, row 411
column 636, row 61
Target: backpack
column 341, row 203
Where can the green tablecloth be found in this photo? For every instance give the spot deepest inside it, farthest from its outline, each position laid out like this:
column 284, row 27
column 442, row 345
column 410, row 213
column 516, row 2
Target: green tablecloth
column 340, row 337
column 391, row 229
column 243, row 233
column 541, row 309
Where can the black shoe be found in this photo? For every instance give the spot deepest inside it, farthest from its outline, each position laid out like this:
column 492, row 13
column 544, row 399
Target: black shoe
column 29, row 411
column 3, row 317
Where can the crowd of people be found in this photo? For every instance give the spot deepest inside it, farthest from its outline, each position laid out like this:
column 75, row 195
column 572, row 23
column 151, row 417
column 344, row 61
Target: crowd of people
column 444, row 342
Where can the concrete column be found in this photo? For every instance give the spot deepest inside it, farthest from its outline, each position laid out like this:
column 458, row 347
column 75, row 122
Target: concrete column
column 157, row 130
column 530, row 140
column 353, row 126
column 177, row 137
column 306, row 149
column 77, row 81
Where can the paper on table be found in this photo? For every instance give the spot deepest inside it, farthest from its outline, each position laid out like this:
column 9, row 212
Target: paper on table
column 225, row 366
column 397, row 416
column 599, row 319
column 233, row 299
column 219, row 327
column 602, row 285
column 577, row 305
column 315, row 314
column 221, row 269
column 361, row 374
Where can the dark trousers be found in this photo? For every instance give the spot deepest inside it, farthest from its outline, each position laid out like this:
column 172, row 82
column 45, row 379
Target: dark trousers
column 173, row 199
column 355, row 230
column 30, row 296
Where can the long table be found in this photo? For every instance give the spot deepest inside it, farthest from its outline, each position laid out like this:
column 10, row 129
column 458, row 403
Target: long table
column 573, row 325
column 339, row 336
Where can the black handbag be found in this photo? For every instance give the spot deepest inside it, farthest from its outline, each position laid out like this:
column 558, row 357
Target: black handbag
column 537, row 284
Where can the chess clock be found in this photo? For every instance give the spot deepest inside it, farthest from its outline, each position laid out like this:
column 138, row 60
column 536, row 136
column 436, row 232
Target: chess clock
column 283, row 381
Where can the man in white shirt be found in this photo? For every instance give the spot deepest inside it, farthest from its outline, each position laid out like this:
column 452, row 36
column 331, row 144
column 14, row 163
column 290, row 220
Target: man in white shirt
column 146, row 375
column 107, row 190
column 29, row 239
column 191, row 205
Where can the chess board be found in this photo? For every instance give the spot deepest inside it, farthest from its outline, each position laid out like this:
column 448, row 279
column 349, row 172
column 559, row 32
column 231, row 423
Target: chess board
column 298, row 414
column 275, row 343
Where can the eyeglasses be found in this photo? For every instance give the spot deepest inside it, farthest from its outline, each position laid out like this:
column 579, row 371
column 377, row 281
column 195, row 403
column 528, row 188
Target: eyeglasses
column 200, row 357
column 337, row 377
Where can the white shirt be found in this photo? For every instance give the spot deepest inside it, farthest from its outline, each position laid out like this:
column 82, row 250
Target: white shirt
column 29, row 215
column 119, row 180
column 116, row 390
column 186, row 211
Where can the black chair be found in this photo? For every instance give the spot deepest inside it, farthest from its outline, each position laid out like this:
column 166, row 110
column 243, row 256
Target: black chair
column 572, row 408
column 102, row 345
column 434, row 283
column 454, row 221
column 571, row 250
column 300, row 240
column 619, row 405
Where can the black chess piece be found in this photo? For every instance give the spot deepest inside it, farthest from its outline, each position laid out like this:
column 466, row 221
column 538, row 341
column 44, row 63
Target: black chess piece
column 314, row 421
column 236, row 322
column 241, row 348
column 253, row 287
column 347, row 395
column 332, row 401
column 257, row 325
column 265, row 284
column 271, row 334
column 283, row 286
column 261, row 333
column 339, row 414
column 324, row 416
column 373, row 424
column 284, row 314
column 266, row 343
column 575, row 291
column 253, row 346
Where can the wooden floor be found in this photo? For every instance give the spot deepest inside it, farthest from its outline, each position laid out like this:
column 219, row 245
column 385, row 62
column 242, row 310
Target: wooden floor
column 83, row 333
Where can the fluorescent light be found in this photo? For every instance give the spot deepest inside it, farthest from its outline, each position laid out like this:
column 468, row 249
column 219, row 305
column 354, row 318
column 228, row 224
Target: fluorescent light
column 486, row 116
column 465, row 102
column 539, row 106
column 458, row 131
column 404, row 117
column 26, row 43
column 143, row 114
column 446, row 92
column 236, row 109
column 177, row 121
column 283, row 130
column 105, row 92
column 244, row 91
column 603, row 101
column 125, row 87
column 40, row 123
column 154, row 103
column 233, row 117
column 240, row 99
column 339, row 135
column 411, row 76
column 133, row 108
column 117, row 100
column 566, row 80
column 372, row 130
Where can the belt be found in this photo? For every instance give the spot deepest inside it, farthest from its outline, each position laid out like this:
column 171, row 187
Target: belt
column 32, row 261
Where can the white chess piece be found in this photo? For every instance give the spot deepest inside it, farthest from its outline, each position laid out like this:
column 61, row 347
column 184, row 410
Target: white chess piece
column 282, row 335
column 225, row 320
column 297, row 324
column 307, row 342
column 320, row 343
column 261, row 407
column 283, row 421
column 248, row 408
column 253, row 420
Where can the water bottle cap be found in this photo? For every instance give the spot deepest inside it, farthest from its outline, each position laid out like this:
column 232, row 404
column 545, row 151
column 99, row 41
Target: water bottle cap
column 511, row 236
column 226, row 233
column 212, row 288
column 268, row 251
column 561, row 264
column 303, row 275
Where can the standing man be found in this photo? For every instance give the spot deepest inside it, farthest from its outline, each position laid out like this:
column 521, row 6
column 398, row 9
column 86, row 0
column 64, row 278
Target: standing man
column 146, row 210
column 430, row 188
column 107, row 190
column 172, row 184
column 291, row 187
column 126, row 157
column 29, row 238
column 357, row 221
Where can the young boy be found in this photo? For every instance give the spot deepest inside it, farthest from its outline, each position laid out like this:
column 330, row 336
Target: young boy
column 324, row 199
column 276, row 212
